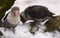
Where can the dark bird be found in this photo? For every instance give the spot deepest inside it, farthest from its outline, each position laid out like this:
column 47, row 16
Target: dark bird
column 11, row 19
column 37, row 13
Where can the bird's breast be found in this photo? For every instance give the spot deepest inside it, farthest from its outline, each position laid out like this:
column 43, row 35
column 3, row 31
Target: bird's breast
column 13, row 20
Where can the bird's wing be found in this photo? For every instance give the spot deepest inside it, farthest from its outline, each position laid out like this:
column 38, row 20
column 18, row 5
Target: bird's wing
column 3, row 19
column 23, row 17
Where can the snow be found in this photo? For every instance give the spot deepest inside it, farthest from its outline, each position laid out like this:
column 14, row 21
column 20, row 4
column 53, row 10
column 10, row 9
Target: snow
column 22, row 30
column 53, row 5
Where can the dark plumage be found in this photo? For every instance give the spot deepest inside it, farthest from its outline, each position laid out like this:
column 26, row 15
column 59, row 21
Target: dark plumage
column 37, row 13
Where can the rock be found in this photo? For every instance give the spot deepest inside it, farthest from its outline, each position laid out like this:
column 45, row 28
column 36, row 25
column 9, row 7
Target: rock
column 53, row 24
column 4, row 6
column 1, row 34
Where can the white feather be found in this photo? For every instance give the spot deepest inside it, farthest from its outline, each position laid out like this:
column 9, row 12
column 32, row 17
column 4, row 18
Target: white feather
column 12, row 19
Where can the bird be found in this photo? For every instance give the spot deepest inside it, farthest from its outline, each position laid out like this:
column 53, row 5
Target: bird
column 38, row 13
column 4, row 6
column 11, row 19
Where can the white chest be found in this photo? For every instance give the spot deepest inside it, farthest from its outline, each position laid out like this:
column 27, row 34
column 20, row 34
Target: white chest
column 13, row 20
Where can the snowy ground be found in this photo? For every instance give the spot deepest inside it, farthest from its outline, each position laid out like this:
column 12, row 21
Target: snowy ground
column 22, row 30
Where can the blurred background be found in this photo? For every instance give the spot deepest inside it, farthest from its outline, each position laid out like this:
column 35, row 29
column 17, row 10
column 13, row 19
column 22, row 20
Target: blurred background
column 23, row 31
column 53, row 5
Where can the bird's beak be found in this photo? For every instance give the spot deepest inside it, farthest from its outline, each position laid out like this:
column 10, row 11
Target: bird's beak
column 16, row 14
